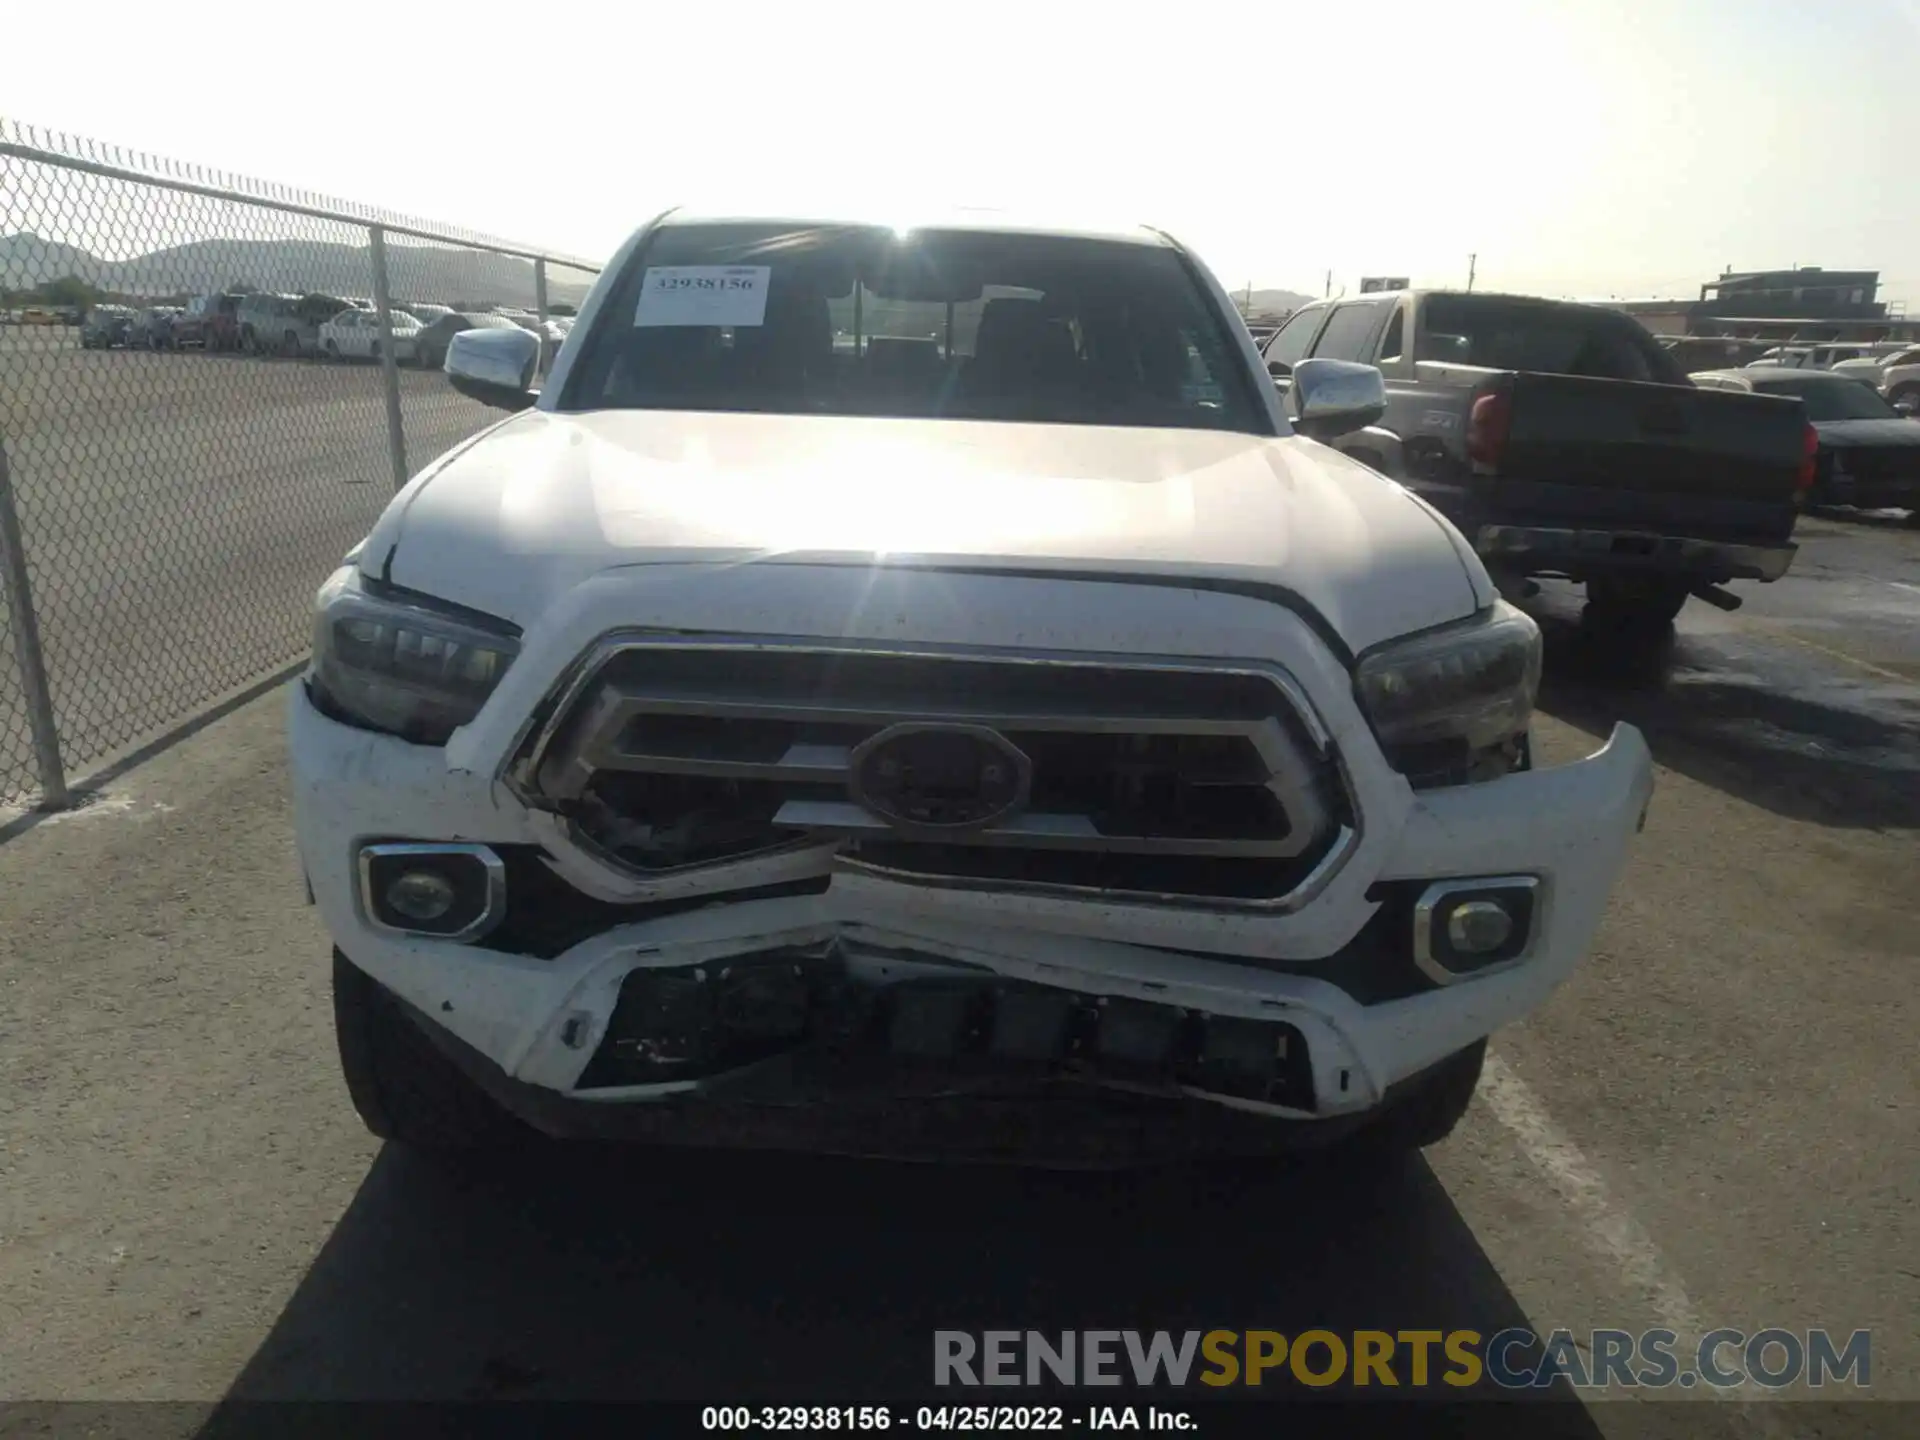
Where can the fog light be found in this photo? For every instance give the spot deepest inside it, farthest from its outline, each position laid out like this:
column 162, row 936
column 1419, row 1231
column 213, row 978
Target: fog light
column 421, row 895
column 1479, row 926
column 450, row 892
column 1463, row 928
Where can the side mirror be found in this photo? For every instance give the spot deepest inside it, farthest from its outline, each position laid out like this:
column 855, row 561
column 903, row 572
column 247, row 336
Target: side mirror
column 1279, row 369
column 1336, row 397
column 495, row 367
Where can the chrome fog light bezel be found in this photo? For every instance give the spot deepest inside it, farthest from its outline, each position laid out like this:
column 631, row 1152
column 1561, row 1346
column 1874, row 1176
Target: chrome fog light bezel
column 1432, row 914
column 493, row 904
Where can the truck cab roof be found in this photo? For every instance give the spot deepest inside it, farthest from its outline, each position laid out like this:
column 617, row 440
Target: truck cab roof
column 982, row 218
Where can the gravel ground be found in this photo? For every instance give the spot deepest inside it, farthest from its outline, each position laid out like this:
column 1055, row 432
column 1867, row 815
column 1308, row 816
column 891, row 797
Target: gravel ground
column 179, row 511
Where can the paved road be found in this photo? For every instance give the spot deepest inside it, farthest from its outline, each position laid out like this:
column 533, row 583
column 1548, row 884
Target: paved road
column 1713, row 1123
column 179, row 512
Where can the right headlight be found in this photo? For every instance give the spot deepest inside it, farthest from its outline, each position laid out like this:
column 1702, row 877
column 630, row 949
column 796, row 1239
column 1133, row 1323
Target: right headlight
column 1452, row 705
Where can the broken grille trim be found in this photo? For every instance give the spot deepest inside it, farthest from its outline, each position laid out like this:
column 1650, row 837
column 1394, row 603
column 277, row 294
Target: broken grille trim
column 832, row 823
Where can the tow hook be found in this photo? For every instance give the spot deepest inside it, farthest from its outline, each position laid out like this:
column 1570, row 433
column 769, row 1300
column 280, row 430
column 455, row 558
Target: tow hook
column 1719, row 596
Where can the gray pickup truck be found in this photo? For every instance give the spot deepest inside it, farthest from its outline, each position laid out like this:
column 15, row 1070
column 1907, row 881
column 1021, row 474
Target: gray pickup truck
column 1563, row 441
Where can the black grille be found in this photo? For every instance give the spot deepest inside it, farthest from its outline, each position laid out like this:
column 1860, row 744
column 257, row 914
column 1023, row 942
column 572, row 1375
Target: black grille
column 698, row 1023
column 1166, row 781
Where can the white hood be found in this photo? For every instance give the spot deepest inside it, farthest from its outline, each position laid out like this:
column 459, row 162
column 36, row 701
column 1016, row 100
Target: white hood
column 543, row 501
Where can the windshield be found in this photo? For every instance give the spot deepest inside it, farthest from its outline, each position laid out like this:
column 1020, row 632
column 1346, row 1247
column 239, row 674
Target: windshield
column 941, row 324
column 1829, row 397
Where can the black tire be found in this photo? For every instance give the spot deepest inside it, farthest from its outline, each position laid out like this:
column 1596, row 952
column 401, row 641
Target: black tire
column 333, row 351
column 290, row 345
column 249, row 342
column 404, row 1089
column 1631, row 603
column 1430, row 1113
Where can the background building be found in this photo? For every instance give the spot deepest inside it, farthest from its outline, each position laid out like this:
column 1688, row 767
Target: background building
column 1803, row 304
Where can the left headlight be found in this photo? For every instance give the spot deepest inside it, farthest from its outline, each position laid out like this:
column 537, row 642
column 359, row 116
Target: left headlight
column 399, row 663
column 1452, row 705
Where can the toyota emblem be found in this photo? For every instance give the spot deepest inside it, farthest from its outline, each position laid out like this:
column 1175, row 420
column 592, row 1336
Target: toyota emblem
column 940, row 779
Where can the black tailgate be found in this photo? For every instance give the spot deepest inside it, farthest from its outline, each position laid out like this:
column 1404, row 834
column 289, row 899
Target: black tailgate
column 1708, row 463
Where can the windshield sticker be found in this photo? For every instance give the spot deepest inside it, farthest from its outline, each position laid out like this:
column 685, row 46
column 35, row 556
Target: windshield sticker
column 703, row 295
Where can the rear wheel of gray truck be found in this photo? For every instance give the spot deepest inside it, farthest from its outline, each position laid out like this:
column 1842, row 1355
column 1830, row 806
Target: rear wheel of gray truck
column 1631, row 603
column 401, row 1085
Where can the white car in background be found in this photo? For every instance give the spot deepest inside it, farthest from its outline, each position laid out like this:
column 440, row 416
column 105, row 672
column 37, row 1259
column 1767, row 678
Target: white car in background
column 1900, row 383
column 355, row 335
column 1882, row 372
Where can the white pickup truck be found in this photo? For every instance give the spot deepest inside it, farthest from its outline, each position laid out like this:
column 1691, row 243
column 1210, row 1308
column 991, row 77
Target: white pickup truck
column 920, row 691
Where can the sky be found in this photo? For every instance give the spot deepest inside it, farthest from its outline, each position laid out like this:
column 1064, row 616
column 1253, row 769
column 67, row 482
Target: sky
column 1592, row 148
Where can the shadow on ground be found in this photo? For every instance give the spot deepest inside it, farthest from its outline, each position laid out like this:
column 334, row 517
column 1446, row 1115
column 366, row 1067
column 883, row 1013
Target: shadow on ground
column 682, row 1275
column 1875, row 519
column 1774, row 728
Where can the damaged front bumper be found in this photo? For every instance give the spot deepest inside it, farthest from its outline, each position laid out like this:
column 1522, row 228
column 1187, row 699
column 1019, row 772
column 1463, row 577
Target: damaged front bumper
column 854, row 994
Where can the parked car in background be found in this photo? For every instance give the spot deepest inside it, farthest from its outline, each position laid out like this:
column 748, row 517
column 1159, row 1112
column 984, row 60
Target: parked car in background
column 1873, row 369
column 1900, row 383
column 1564, row 441
column 1869, row 452
column 209, row 323
column 269, row 324
column 286, row 325
column 553, row 331
column 430, row 345
column 39, row 315
column 1826, row 356
column 355, row 335
column 426, row 312
column 105, row 327
column 152, row 328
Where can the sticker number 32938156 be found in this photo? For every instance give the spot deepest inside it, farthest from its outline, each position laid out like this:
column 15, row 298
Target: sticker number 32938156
column 702, row 295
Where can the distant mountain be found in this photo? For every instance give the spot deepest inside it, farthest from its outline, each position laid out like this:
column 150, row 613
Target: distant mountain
column 416, row 272
column 27, row 260
column 1269, row 302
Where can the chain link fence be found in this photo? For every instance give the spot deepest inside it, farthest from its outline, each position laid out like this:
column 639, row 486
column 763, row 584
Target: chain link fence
column 209, row 389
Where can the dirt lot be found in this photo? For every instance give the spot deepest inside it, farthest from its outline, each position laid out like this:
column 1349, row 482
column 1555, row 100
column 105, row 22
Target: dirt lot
column 177, row 508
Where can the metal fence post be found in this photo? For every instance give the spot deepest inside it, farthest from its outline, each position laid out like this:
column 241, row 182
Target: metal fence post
column 389, row 366
column 540, row 308
column 26, row 648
